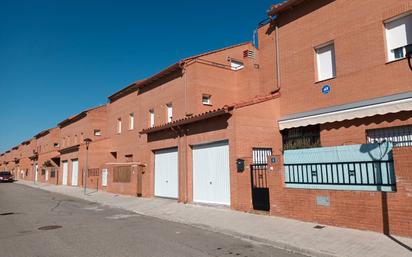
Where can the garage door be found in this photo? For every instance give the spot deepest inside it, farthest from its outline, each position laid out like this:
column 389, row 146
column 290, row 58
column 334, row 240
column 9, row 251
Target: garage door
column 75, row 172
column 211, row 176
column 166, row 173
column 65, row 172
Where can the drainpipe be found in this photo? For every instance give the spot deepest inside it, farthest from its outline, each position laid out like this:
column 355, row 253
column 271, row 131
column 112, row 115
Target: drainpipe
column 277, row 50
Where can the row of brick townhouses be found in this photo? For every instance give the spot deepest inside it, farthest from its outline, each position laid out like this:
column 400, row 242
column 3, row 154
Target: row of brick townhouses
column 314, row 124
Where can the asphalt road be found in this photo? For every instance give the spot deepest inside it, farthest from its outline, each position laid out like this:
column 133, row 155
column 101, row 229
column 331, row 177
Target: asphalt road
column 89, row 229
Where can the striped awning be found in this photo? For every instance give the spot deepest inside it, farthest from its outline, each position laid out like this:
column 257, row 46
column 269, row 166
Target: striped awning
column 362, row 109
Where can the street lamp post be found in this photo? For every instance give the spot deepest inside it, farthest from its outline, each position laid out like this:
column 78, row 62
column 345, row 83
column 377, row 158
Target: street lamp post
column 86, row 171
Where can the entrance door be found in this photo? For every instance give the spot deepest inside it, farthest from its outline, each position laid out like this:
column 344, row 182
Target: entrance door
column 36, row 171
column 166, row 173
column 65, row 172
column 75, row 172
column 104, row 177
column 47, row 174
column 259, row 179
column 211, row 173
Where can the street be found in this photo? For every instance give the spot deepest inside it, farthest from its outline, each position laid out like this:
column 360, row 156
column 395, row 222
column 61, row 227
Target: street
column 34, row 222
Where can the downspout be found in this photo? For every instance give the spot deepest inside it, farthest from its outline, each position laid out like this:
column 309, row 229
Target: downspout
column 277, row 58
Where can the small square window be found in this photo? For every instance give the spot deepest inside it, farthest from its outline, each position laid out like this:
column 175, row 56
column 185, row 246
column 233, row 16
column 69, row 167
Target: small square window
column 206, row 100
column 236, row 65
column 97, row 132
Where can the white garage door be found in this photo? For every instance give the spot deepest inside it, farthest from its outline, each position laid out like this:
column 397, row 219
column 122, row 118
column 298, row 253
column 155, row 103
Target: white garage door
column 166, row 173
column 65, row 172
column 211, row 175
column 75, row 172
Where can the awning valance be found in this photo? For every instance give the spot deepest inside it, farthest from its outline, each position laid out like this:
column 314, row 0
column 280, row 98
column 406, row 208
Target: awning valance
column 362, row 109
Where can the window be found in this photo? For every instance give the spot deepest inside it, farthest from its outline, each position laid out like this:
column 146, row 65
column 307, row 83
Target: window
column 119, row 125
column 56, row 145
column 152, row 117
column 300, row 138
column 399, row 136
column 236, row 65
column 131, row 121
column 398, row 35
column 206, row 99
column 97, row 132
column 169, row 112
column 325, row 59
column 128, row 157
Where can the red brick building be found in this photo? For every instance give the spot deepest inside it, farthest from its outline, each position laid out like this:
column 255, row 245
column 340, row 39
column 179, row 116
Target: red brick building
column 315, row 124
column 343, row 80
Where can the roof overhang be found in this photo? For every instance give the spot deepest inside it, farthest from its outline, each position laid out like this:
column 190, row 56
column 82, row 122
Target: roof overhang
column 42, row 133
column 188, row 120
column 362, row 109
column 70, row 149
column 276, row 9
column 136, row 85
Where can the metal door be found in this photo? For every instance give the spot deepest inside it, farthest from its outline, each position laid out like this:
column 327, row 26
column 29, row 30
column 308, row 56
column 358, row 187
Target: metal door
column 75, row 172
column 259, row 179
column 36, row 171
column 65, row 173
column 104, row 177
column 211, row 173
column 166, row 173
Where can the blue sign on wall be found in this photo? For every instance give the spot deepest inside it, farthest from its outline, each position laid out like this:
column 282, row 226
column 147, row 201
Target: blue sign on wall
column 326, row 89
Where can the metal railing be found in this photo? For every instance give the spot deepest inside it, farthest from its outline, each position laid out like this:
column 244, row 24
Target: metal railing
column 364, row 173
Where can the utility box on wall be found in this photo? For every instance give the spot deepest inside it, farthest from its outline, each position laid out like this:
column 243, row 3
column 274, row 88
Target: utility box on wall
column 240, row 165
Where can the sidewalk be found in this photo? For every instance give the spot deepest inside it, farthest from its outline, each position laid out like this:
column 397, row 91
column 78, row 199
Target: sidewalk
column 283, row 233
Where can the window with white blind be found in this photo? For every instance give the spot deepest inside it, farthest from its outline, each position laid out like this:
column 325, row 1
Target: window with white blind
column 131, row 121
column 119, row 125
column 325, row 59
column 169, row 112
column 152, row 118
column 398, row 35
column 236, row 65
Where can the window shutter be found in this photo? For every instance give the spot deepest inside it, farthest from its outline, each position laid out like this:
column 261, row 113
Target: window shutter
column 326, row 62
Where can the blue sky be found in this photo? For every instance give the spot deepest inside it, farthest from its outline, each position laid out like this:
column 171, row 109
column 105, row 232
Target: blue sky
column 58, row 58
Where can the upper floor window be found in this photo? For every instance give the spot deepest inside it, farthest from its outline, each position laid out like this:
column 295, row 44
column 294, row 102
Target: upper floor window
column 97, row 132
column 325, row 59
column 398, row 35
column 152, row 117
column 206, row 99
column 119, row 125
column 131, row 121
column 236, row 65
column 169, row 112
